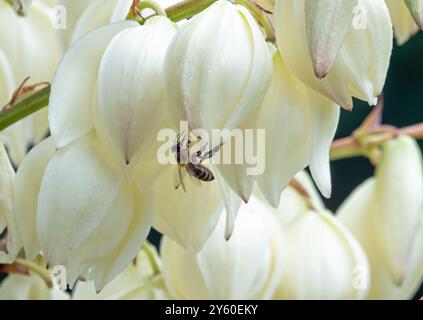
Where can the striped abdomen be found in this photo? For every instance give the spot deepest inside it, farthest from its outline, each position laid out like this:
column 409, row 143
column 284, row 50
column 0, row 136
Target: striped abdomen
column 200, row 172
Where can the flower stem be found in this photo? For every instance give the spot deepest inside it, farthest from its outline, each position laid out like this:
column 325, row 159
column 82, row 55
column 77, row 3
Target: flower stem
column 151, row 258
column 24, row 108
column 187, row 9
column 354, row 146
column 153, row 5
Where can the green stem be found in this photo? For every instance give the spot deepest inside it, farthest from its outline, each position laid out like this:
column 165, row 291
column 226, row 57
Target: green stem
column 24, row 108
column 151, row 258
column 40, row 271
column 153, row 5
column 187, row 9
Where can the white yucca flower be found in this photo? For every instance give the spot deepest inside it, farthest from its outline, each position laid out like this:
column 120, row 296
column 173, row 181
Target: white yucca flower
column 28, row 48
column 219, row 68
column 141, row 280
column 103, row 123
column 385, row 214
column 404, row 24
column 347, row 44
column 247, row 266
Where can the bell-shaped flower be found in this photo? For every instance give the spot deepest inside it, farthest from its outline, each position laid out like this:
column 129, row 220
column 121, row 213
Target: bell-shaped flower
column 84, row 16
column 90, row 216
column 31, row 34
column 323, row 260
column 247, row 266
column 141, row 280
column 402, row 20
column 385, row 214
column 106, row 121
column 218, row 71
column 349, row 46
column 300, row 125
column 123, row 107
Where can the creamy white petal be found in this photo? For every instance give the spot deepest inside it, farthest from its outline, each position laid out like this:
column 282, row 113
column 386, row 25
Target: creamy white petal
column 105, row 238
column 108, row 267
column 26, row 188
column 362, row 62
column 98, row 13
column 186, row 217
column 232, row 204
column 74, row 9
column 74, row 83
column 322, row 261
column 132, row 87
column 398, row 203
column 7, row 177
column 416, row 10
column 33, row 34
column 366, row 52
column 77, row 191
column 356, row 213
column 325, row 118
column 286, row 117
column 218, row 75
column 138, row 281
column 246, row 267
column 404, row 25
column 7, row 79
column 291, row 33
column 327, row 24
column 28, row 287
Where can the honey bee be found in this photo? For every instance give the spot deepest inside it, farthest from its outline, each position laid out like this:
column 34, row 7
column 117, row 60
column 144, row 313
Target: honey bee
column 192, row 163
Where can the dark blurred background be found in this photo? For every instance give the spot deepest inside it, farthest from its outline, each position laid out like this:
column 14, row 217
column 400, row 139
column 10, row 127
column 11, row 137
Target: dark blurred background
column 403, row 107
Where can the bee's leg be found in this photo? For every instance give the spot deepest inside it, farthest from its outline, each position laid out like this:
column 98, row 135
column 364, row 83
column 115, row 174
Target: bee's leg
column 181, row 179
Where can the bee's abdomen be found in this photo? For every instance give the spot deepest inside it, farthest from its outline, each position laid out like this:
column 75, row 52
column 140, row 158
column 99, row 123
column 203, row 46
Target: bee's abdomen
column 200, row 172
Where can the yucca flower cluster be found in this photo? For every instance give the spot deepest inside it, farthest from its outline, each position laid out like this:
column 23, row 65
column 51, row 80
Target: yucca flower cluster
column 86, row 196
